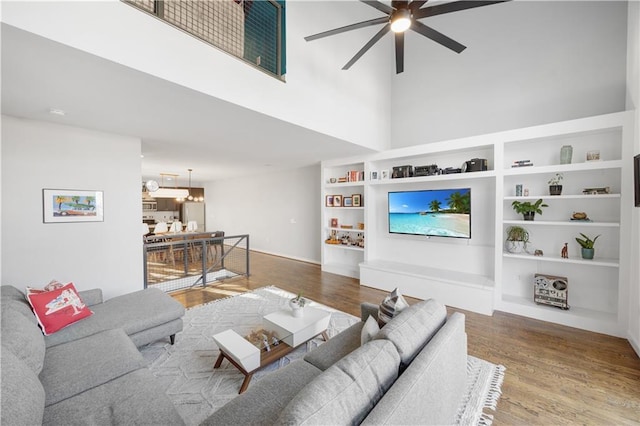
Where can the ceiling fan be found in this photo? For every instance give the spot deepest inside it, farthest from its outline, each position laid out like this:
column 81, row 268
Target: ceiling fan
column 401, row 16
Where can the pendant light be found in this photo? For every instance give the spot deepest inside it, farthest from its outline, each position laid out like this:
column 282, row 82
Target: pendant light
column 190, row 197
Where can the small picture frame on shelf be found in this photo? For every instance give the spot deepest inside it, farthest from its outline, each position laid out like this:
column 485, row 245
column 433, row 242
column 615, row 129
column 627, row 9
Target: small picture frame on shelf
column 347, row 202
column 334, row 222
column 328, row 201
column 593, row 155
column 384, row 174
column 373, row 175
column 357, row 200
column 337, row 201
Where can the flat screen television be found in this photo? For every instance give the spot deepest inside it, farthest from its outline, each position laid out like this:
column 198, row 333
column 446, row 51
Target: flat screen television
column 432, row 213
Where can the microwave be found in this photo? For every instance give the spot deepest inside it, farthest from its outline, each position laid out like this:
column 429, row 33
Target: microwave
column 149, row 206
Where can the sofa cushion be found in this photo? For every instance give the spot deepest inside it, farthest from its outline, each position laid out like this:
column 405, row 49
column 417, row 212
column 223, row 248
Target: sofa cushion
column 343, row 343
column 369, row 330
column 10, row 295
column 347, row 391
column 82, row 364
column 412, row 329
column 133, row 312
column 265, row 399
column 391, row 306
column 21, row 336
column 22, row 393
column 133, row 399
column 58, row 308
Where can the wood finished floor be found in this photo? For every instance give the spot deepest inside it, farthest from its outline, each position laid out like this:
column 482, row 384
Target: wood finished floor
column 556, row 375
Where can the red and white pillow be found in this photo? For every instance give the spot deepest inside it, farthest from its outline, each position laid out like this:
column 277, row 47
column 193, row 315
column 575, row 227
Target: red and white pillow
column 58, row 307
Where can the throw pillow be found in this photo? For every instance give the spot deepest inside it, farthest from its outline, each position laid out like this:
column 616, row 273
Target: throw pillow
column 369, row 330
column 53, row 285
column 58, row 308
column 391, row 306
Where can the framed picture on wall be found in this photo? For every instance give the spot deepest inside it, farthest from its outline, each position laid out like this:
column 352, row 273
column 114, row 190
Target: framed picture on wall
column 72, row 205
column 337, row 201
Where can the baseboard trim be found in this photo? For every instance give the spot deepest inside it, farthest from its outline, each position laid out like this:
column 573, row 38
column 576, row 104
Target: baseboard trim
column 634, row 343
column 286, row 256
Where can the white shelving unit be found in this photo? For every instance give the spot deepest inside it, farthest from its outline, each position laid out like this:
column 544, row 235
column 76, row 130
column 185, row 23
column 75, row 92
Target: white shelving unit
column 478, row 274
column 342, row 259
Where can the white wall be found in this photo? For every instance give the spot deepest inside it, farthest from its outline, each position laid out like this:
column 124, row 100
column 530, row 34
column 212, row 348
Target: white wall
column 318, row 95
column 526, row 63
column 633, row 102
column 37, row 155
column 265, row 207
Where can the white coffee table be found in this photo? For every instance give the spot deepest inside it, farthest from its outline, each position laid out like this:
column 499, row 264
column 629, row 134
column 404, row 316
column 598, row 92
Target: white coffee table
column 291, row 331
column 299, row 330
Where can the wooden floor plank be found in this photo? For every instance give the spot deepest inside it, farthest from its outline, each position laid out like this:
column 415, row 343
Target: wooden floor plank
column 555, row 374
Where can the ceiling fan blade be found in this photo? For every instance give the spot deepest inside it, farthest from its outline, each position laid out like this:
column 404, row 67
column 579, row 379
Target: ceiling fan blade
column 399, row 53
column 438, row 37
column 416, row 4
column 452, row 7
column 367, row 46
column 380, row 6
column 348, row 28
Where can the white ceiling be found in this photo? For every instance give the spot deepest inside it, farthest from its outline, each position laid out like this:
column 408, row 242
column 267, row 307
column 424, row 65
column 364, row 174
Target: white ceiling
column 180, row 128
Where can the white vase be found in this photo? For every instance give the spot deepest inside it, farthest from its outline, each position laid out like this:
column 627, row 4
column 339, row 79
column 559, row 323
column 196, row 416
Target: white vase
column 515, row 247
column 296, row 310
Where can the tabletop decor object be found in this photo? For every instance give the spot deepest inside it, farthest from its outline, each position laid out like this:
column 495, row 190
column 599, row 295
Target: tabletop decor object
column 586, row 244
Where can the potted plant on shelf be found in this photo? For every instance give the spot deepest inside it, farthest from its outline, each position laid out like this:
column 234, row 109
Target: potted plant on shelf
column 297, row 305
column 517, row 239
column 528, row 209
column 555, row 188
column 587, row 246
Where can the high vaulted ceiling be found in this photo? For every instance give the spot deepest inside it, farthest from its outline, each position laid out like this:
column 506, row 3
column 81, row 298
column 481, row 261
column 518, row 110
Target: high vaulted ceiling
column 180, row 128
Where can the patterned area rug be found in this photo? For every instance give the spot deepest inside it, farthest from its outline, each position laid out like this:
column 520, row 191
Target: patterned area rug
column 185, row 370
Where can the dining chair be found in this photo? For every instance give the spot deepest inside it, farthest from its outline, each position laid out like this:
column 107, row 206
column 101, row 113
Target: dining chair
column 161, row 227
column 145, row 228
column 215, row 244
column 176, row 226
column 192, row 226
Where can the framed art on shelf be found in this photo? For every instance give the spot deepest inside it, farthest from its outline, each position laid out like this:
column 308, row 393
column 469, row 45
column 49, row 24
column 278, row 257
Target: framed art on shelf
column 328, row 201
column 347, row 202
column 337, row 201
column 357, row 200
column 72, row 205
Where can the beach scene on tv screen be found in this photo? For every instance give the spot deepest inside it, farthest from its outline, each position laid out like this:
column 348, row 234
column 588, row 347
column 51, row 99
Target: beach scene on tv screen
column 441, row 213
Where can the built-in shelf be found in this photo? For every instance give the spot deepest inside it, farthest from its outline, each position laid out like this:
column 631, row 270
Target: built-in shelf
column 563, row 223
column 563, row 197
column 344, row 208
column 359, row 231
column 359, row 183
column 603, row 322
column 613, row 263
column 436, row 178
column 561, row 168
column 344, row 246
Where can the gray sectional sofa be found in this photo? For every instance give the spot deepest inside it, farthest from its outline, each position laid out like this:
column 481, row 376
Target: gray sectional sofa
column 90, row 372
column 412, row 372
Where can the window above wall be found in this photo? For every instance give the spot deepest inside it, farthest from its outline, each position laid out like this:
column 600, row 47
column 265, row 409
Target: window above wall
column 253, row 31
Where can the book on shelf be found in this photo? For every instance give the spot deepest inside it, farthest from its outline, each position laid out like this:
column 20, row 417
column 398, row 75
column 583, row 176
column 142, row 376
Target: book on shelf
column 355, row 176
column 521, row 165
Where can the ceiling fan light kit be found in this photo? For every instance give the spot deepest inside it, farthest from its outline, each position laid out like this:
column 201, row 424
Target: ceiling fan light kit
column 403, row 15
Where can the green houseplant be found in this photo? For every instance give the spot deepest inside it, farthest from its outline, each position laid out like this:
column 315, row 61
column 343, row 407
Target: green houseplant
column 555, row 188
column 517, row 239
column 587, row 244
column 528, row 209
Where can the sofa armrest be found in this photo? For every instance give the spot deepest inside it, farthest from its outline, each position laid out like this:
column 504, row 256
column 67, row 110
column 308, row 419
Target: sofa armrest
column 91, row 297
column 367, row 309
